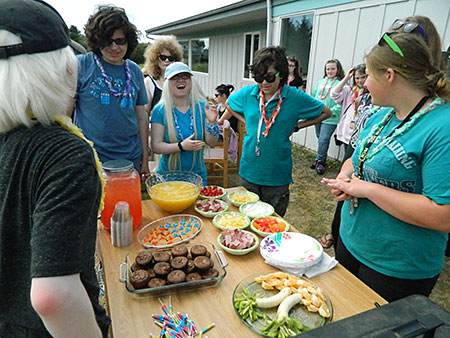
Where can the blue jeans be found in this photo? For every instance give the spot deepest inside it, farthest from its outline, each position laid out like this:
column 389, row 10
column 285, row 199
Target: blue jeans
column 323, row 133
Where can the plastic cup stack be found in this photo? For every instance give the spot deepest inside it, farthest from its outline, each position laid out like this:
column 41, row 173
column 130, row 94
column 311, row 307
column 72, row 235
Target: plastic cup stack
column 121, row 225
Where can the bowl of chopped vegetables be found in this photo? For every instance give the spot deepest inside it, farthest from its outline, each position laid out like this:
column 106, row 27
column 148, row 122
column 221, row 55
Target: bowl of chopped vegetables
column 212, row 191
column 265, row 226
column 231, row 220
column 256, row 209
column 237, row 242
column 240, row 197
column 210, row 207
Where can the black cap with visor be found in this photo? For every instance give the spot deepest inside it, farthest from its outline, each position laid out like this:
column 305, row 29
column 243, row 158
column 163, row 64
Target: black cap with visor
column 38, row 24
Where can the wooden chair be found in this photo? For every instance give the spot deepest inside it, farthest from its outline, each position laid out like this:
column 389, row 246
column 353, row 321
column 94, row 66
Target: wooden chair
column 216, row 159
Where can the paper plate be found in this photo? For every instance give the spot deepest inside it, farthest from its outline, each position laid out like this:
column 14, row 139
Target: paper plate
column 291, row 250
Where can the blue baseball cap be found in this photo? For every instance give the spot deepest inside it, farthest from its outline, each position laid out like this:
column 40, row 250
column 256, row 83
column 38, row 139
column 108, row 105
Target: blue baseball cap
column 175, row 69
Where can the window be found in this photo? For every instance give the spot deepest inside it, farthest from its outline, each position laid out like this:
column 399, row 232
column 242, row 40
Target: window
column 185, row 46
column 296, row 38
column 200, row 55
column 196, row 54
column 251, row 46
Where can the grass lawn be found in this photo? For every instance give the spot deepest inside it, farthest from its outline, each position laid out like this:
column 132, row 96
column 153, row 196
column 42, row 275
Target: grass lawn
column 312, row 206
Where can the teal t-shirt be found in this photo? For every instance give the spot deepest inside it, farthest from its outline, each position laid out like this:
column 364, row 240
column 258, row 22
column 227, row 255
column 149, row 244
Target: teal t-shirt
column 184, row 122
column 327, row 85
column 416, row 162
column 274, row 166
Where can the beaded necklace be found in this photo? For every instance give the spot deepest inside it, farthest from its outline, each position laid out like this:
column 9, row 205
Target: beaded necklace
column 177, row 126
column 329, row 88
column 125, row 94
column 66, row 123
column 275, row 112
column 364, row 150
column 356, row 93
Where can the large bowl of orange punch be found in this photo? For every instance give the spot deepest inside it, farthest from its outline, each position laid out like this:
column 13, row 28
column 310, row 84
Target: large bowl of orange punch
column 174, row 191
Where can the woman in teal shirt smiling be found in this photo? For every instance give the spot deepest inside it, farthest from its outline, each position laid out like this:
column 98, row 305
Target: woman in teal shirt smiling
column 396, row 217
column 271, row 111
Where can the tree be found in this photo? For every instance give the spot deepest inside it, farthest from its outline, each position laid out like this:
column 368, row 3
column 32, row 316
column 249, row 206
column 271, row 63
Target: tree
column 76, row 35
column 138, row 54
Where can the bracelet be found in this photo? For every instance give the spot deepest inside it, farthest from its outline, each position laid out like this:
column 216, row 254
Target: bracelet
column 212, row 129
column 180, row 146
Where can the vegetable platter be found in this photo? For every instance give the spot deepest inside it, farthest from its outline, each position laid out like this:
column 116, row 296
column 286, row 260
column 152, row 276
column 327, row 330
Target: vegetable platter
column 281, row 305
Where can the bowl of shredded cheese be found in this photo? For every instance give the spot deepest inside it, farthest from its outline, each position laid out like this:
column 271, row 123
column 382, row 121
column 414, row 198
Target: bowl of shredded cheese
column 240, row 197
column 231, row 220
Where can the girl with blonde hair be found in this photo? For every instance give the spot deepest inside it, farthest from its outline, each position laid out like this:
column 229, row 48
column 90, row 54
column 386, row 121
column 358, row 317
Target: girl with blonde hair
column 396, row 215
column 182, row 124
column 158, row 56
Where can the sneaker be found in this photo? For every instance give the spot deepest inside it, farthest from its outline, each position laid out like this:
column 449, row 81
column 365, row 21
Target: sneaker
column 320, row 167
column 313, row 166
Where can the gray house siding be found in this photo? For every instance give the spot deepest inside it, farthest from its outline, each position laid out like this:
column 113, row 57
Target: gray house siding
column 345, row 31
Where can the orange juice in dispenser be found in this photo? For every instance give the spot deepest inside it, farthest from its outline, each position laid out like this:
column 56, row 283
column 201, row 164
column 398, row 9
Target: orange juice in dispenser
column 122, row 184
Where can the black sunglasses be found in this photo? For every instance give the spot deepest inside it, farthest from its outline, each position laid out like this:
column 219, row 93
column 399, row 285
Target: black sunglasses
column 163, row 57
column 408, row 27
column 269, row 77
column 119, row 41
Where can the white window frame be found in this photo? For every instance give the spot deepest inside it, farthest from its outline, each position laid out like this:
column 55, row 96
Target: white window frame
column 189, row 60
column 252, row 51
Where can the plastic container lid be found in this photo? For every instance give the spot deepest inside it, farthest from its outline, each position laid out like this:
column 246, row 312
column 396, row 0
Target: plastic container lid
column 117, row 166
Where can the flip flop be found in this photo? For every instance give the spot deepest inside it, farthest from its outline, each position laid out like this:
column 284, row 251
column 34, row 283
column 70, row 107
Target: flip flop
column 327, row 241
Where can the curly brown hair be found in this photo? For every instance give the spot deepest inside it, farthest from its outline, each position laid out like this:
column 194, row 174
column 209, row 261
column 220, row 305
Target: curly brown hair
column 151, row 65
column 268, row 56
column 102, row 25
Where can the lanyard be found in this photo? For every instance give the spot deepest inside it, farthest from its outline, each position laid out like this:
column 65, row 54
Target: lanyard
column 365, row 151
column 262, row 116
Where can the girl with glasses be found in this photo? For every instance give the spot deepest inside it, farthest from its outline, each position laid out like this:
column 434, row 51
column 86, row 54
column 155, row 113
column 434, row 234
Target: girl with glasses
column 271, row 111
column 182, row 124
column 348, row 97
column 294, row 78
column 396, row 214
column 333, row 73
column 158, row 55
column 111, row 92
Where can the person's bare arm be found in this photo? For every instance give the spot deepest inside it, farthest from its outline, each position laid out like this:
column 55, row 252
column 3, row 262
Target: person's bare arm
column 326, row 113
column 64, row 306
column 142, row 120
column 240, row 117
column 161, row 147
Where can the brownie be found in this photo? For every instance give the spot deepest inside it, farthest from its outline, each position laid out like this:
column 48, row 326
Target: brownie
column 151, row 273
column 202, row 263
column 193, row 276
column 155, row 282
column 179, row 251
column 162, row 268
column 135, row 267
column 176, row 276
column 190, row 266
column 161, row 256
column 144, row 259
column 210, row 273
column 139, row 279
column 179, row 263
column 198, row 250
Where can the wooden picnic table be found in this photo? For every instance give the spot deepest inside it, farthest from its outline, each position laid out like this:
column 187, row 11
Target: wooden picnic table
column 132, row 317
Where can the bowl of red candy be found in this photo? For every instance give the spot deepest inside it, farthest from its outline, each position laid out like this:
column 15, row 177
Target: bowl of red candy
column 212, row 191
